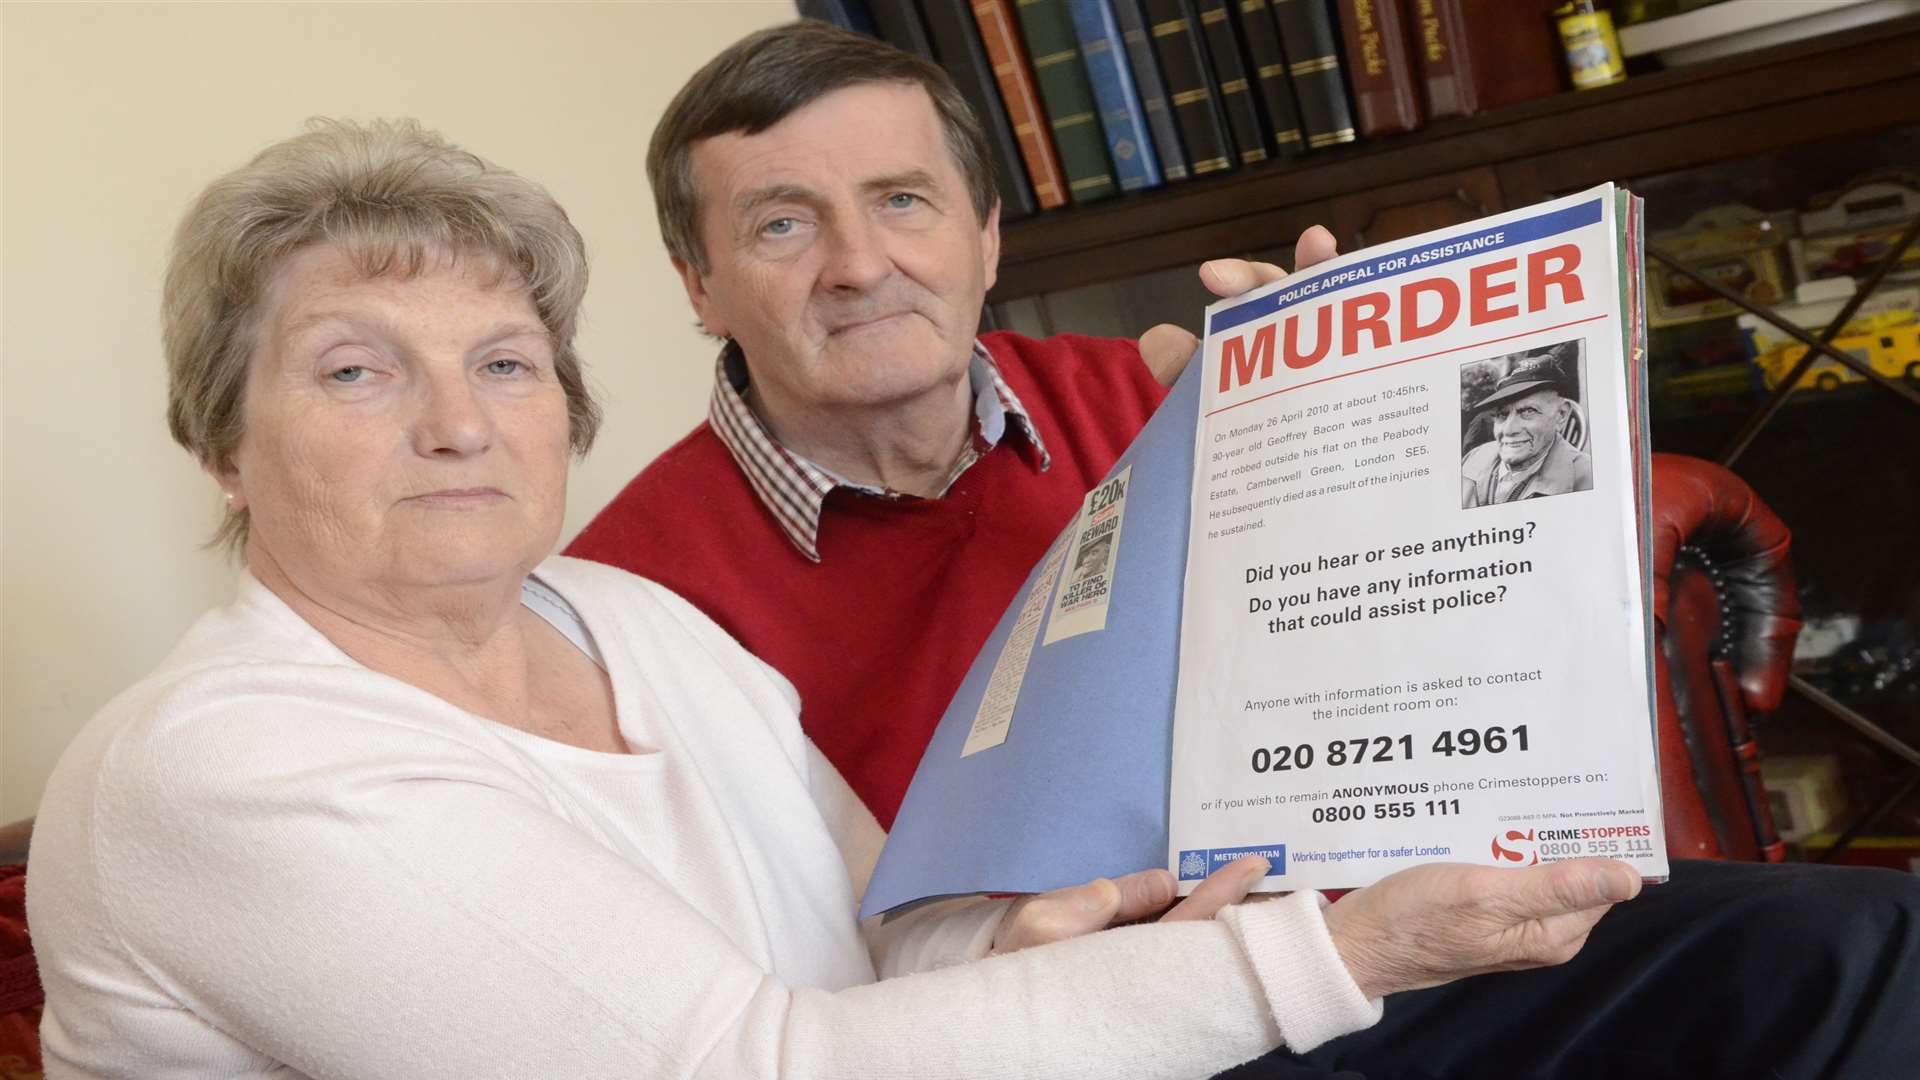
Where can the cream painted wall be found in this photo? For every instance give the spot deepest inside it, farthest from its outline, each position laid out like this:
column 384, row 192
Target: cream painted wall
column 113, row 116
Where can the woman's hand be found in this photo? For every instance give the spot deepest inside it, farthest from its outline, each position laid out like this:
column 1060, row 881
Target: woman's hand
column 1166, row 348
column 1081, row 909
column 1432, row 924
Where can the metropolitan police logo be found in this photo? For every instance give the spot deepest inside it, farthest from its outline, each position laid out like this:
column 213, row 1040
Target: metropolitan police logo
column 1193, row 865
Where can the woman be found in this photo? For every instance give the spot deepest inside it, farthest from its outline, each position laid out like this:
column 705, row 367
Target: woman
column 425, row 802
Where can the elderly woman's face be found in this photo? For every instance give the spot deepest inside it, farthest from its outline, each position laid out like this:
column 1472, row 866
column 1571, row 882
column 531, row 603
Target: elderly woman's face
column 401, row 431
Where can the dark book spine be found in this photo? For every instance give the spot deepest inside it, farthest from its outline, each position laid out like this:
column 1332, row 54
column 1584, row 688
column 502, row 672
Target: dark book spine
column 899, row 25
column 1270, row 71
column 1183, row 63
column 1153, row 91
column 1121, row 115
column 845, row 14
column 956, row 45
column 1001, row 38
column 1380, row 65
column 1434, row 49
column 1313, row 59
column 1231, row 77
column 1064, row 91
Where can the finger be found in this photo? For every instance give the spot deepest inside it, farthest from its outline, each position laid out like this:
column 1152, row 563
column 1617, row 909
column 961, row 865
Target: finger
column 1574, row 927
column 1558, row 939
column 1316, row 245
column 1264, row 273
column 1144, row 894
column 1231, row 277
column 1166, row 349
column 1058, row 915
column 1575, row 885
column 1227, row 885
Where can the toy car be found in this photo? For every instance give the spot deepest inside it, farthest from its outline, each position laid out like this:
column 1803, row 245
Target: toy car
column 1890, row 344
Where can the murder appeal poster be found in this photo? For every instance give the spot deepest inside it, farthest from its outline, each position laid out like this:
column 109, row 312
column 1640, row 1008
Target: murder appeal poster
column 1413, row 625
column 1368, row 591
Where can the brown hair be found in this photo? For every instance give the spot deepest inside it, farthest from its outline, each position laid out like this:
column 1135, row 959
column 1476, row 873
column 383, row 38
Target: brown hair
column 396, row 197
column 760, row 80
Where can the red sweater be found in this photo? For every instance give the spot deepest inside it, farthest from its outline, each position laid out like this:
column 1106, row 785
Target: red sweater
column 878, row 635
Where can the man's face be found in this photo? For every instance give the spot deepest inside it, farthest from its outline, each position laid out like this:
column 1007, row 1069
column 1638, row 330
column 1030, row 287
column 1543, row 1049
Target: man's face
column 843, row 252
column 1526, row 427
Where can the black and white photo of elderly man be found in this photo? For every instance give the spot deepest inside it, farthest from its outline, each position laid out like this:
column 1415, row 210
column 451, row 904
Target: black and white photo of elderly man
column 1529, row 455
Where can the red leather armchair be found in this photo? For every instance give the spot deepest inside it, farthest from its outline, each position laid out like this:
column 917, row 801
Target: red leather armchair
column 20, row 993
column 1726, row 616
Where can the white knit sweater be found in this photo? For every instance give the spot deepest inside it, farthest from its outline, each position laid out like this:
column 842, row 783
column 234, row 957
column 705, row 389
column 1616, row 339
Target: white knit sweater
column 267, row 860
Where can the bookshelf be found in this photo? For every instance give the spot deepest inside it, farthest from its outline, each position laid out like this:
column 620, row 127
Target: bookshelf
column 1849, row 83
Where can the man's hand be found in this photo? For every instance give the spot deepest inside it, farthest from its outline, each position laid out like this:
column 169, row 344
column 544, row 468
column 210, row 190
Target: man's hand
column 1167, row 348
column 1433, row 924
column 1082, row 909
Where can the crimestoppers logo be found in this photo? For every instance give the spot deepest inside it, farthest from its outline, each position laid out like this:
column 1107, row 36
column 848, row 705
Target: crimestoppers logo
column 1518, row 847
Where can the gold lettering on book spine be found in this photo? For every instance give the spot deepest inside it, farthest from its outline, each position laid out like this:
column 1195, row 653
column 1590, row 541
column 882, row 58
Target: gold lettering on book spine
column 1372, row 56
column 1435, row 48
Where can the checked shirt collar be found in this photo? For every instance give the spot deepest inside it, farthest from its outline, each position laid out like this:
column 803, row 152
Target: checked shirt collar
column 795, row 490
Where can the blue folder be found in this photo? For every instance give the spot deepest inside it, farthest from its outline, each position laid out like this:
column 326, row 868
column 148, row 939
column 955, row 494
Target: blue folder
column 1079, row 788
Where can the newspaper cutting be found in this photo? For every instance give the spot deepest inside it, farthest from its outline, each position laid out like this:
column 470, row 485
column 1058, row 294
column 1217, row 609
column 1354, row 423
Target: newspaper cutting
column 1413, row 624
column 1080, row 607
column 995, row 713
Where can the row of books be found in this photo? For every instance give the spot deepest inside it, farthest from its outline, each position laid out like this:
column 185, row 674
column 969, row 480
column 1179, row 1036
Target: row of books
column 1083, row 99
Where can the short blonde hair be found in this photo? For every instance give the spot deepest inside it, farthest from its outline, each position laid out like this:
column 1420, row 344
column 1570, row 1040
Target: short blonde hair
column 396, row 197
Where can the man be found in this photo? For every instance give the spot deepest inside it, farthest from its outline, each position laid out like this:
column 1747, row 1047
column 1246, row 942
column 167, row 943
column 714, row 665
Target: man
column 876, row 479
column 1528, row 457
column 1092, row 561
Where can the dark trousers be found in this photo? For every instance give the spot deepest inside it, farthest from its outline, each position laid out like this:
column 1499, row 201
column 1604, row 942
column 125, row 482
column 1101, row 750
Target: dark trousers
column 1727, row 970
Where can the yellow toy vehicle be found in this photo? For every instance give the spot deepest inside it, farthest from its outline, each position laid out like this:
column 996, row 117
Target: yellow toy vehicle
column 1890, row 343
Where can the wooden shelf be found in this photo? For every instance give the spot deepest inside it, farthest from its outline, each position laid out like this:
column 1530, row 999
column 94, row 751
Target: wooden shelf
column 1842, row 85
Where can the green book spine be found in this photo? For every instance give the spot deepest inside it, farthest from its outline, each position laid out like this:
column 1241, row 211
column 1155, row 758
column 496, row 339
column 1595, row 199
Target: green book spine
column 1054, row 51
